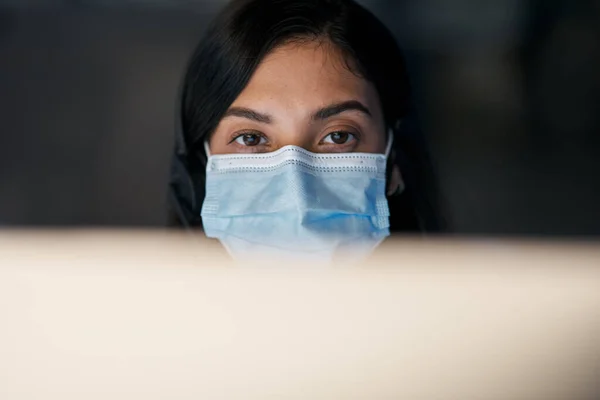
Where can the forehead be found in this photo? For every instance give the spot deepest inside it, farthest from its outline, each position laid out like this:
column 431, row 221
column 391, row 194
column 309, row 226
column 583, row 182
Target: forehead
column 306, row 74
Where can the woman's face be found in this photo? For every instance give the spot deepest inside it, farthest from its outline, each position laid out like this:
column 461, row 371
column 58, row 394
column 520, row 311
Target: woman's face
column 303, row 95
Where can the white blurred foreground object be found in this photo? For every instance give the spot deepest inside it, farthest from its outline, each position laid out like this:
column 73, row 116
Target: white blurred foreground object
column 115, row 315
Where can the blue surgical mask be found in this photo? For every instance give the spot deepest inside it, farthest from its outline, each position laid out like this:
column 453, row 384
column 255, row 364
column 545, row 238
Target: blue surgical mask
column 298, row 205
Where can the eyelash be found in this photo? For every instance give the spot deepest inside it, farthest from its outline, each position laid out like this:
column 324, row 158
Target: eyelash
column 354, row 135
column 240, row 134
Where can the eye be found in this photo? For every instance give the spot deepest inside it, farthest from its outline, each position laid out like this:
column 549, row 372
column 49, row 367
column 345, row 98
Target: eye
column 339, row 137
column 250, row 139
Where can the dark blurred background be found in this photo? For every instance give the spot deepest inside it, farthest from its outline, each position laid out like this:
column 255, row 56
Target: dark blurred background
column 507, row 91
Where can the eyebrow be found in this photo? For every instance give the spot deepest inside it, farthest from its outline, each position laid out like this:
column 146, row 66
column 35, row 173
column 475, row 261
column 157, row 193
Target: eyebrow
column 248, row 114
column 323, row 113
column 338, row 108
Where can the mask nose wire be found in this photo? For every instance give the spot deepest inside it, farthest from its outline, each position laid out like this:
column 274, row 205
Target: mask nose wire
column 388, row 147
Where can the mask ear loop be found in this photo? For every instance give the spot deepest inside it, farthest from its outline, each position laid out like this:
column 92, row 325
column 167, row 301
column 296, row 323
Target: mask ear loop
column 206, row 148
column 390, row 141
column 401, row 186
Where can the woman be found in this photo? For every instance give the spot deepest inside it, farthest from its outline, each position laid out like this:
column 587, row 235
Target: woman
column 293, row 133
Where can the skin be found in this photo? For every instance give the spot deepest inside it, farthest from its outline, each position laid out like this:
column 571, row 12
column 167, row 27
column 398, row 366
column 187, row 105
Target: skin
column 303, row 94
